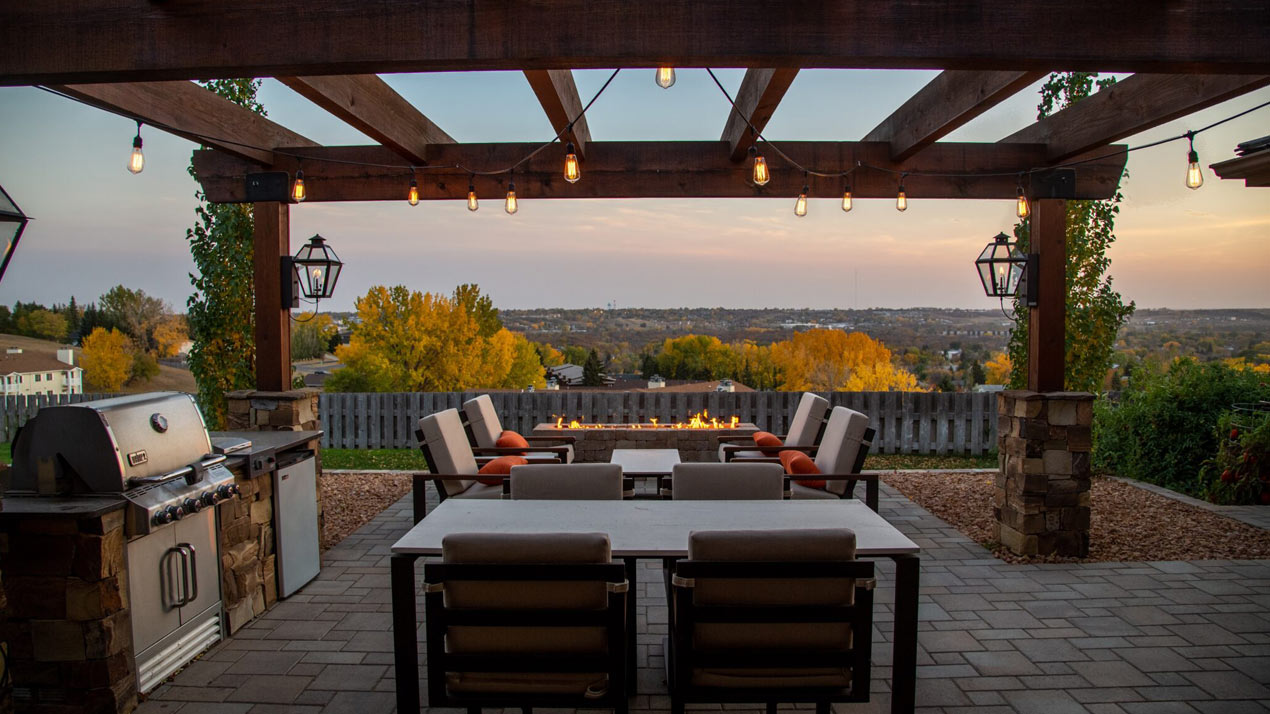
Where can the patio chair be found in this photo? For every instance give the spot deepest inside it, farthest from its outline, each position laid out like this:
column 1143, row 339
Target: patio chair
column 727, row 482
column 451, row 464
column 838, row 460
column 770, row 616
column 567, row 482
column 525, row 620
column 804, row 432
column 486, row 430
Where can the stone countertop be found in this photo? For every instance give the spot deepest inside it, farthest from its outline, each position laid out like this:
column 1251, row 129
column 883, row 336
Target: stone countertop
column 265, row 445
column 19, row 504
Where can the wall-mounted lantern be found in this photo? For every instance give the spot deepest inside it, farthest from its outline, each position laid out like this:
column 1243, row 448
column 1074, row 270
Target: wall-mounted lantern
column 316, row 269
column 1004, row 269
column 12, row 222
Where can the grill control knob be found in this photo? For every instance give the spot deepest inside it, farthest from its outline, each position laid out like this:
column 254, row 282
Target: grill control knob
column 227, row 491
column 209, row 498
column 175, row 513
column 162, row 518
column 192, row 505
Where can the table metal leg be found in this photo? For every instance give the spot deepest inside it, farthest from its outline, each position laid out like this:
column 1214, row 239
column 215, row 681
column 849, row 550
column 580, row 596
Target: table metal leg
column 405, row 638
column 904, row 646
column 631, row 635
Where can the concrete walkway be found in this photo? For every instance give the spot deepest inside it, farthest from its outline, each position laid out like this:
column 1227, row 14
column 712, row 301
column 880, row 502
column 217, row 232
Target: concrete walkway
column 1104, row 638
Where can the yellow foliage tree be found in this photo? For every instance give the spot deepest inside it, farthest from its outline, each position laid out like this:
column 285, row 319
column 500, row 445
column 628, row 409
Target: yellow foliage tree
column 107, row 360
column 837, row 361
column 169, row 335
column 998, row 369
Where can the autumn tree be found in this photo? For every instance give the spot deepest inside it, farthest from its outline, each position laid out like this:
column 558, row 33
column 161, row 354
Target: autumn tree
column 44, row 324
column 998, row 369
column 1095, row 312
column 311, row 335
column 549, row 356
column 833, row 360
column 479, row 307
column 107, row 360
column 696, row 357
column 169, row 335
column 136, row 313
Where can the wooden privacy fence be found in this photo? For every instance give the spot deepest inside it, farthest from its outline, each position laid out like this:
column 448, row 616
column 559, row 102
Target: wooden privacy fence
column 906, row 422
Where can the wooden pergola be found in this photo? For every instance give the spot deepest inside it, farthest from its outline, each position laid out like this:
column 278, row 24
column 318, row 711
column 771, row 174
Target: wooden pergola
column 137, row 58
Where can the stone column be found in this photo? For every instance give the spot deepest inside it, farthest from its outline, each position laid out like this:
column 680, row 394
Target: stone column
column 1041, row 503
column 294, row 410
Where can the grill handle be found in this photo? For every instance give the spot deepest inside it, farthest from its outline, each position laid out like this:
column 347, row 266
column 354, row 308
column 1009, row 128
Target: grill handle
column 192, row 473
column 189, row 572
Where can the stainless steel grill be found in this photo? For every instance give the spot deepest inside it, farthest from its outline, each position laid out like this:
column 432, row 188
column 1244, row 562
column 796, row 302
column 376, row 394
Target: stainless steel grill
column 151, row 449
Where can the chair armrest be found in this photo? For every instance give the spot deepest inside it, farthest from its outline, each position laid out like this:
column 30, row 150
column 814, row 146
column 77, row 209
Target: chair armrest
column 870, row 485
column 560, row 439
column 720, row 440
column 755, row 460
column 517, row 450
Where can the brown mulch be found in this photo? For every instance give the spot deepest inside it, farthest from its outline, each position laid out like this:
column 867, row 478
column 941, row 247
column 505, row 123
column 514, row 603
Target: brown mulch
column 1127, row 523
column 350, row 501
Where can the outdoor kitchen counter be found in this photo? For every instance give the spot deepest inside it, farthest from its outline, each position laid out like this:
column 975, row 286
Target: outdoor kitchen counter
column 264, row 444
column 22, row 505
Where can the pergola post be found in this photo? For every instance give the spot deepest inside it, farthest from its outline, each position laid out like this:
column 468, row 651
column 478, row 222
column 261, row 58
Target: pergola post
column 273, row 318
column 1047, row 321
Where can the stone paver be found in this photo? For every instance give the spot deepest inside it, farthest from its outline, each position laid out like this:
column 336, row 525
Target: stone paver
column 1098, row 638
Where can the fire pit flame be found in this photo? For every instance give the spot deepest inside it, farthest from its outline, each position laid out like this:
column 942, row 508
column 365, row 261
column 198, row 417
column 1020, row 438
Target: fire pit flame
column 700, row 420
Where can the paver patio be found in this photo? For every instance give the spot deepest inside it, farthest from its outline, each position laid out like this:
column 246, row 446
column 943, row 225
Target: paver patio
column 1103, row 638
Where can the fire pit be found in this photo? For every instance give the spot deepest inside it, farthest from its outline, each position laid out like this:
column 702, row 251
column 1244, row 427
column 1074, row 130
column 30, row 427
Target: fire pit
column 695, row 438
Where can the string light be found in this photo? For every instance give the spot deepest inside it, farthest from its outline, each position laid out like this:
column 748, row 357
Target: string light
column 665, row 77
column 511, row 205
column 846, row 199
column 298, row 193
column 1194, row 175
column 413, row 194
column 761, row 174
column 571, row 170
column 901, row 198
column 472, row 204
column 137, row 161
column 800, row 205
column 1021, row 206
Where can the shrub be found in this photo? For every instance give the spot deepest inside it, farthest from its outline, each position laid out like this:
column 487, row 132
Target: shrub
column 1162, row 429
column 1240, row 473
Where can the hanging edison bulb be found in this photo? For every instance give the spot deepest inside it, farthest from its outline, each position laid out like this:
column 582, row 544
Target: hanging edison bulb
column 1021, row 206
column 761, row 173
column 413, row 194
column 665, row 77
column 800, row 205
column 572, row 172
column 298, row 193
column 901, row 200
column 846, row 199
column 137, row 161
column 472, row 204
column 511, row 205
column 1194, row 174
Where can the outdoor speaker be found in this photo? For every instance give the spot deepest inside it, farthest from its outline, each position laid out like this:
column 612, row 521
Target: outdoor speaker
column 269, row 186
column 1054, row 183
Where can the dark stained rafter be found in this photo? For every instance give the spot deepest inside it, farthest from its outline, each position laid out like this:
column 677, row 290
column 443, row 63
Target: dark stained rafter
column 557, row 92
column 761, row 91
column 948, row 101
column 192, row 112
column 652, row 169
column 1254, row 169
column 66, row 41
column 372, row 107
column 1132, row 105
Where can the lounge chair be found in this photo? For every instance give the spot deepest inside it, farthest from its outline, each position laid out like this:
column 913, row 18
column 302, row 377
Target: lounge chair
column 526, row 620
column 839, row 458
column 770, row 616
column 804, row 432
column 730, row 482
column 486, row 430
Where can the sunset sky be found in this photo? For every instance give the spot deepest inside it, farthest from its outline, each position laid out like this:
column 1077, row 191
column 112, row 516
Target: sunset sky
column 97, row 225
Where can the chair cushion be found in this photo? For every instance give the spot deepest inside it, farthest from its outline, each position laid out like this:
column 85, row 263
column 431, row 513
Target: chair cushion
column 483, row 419
column 510, row 440
column 841, row 444
column 567, row 482
column 797, row 463
column 799, row 492
column 772, row 678
column 451, row 454
column 501, row 466
column 723, row 455
column 767, row 438
column 732, row 482
column 590, row 685
column 805, row 425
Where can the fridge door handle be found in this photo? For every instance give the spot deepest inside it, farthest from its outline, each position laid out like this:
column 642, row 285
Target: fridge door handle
column 192, row 579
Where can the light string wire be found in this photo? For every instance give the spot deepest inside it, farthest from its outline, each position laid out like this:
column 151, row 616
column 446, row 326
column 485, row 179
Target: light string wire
column 206, row 139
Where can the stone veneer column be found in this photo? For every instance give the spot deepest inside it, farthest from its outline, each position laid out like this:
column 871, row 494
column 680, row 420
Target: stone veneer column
column 249, row 583
column 1041, row 501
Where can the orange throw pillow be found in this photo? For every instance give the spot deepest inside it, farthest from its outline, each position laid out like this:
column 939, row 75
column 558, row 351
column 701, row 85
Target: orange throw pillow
column 500, row 466
column 797, row 463
column 767, row 438
column 510, row 440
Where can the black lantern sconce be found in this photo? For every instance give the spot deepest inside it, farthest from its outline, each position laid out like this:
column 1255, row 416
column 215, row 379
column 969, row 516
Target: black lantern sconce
column 313, row 270
column 12, row 222
column 1004, row 270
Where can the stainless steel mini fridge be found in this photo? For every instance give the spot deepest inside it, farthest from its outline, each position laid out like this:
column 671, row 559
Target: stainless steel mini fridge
column 296, row 530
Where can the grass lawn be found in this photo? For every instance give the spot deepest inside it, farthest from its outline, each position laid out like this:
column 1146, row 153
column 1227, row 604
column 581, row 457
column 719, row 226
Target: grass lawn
column 5, row 456
column 412, row 460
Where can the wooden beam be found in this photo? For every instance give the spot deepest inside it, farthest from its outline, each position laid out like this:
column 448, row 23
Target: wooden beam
column 1047, row 322
column 64, row 41
column 369, row 105
column 558, row 94
column 1254, row 169
column 1130, row 106
column 948, row 101
column 190, row 111
column 273, row 319
column 666, row 169
column 761, row 91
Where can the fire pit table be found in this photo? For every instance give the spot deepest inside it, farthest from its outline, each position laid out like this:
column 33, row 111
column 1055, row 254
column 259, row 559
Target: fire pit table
column 695, row 440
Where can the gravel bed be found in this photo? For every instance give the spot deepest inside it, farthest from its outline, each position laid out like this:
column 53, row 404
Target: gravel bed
column 349, row 501
column 1127, row 523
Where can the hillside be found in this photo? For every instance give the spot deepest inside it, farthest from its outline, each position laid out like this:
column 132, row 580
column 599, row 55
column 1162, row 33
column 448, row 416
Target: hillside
column 169, row 378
